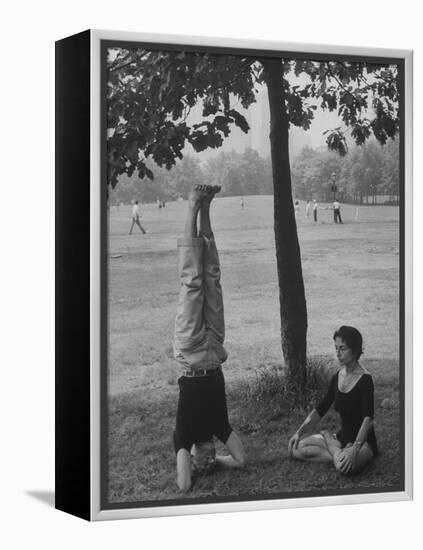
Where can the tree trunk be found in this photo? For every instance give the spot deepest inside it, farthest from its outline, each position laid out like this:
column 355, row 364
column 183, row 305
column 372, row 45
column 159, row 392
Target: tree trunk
column 292, row 301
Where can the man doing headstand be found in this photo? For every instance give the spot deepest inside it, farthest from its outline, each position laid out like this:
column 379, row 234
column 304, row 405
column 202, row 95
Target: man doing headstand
column 198, row 344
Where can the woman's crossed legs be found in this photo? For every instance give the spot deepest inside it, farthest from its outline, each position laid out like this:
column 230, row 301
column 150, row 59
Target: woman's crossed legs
column 324, row 447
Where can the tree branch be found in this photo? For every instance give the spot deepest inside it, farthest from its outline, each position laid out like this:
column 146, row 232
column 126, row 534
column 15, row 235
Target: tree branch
column 133, row 60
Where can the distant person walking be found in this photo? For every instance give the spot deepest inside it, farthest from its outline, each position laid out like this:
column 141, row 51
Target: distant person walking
column 242, row 202
column 315, row 207
column 336, row 211
column 136, row 218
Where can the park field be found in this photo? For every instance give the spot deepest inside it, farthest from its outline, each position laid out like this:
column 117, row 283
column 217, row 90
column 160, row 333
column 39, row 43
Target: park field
column 351, row 276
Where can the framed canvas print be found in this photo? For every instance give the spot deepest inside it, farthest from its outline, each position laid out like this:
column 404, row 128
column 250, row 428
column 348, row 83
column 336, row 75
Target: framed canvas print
column 233, row 275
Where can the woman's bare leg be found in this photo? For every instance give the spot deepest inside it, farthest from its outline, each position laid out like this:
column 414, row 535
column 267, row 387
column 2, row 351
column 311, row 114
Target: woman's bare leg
column 334, row 446
column 313, row 449
column 365, row 455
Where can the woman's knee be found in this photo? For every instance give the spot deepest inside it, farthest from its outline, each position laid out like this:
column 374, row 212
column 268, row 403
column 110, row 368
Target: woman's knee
column 361, row 462
column 303, row 452
column 338, row 465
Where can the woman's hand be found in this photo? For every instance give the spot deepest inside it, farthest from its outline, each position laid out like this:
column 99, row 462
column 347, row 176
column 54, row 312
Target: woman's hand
column 347, row 458
column 293, row 443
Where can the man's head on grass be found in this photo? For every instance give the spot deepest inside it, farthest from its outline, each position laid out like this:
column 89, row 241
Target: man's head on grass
column 204, row 457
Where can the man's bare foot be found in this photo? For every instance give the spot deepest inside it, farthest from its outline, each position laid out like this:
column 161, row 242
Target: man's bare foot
column 198, row 194
column 212, row 190
column 201, row 194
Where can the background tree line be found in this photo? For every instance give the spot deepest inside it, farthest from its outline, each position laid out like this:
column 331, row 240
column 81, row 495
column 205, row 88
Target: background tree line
column 238, row 173
column 366, row 172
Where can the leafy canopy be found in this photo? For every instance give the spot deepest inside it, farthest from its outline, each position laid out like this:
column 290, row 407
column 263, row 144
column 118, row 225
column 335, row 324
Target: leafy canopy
column 150, row 95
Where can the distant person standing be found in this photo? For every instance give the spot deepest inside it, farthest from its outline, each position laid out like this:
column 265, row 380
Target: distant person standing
column 307, row 209
column 136, row 218
column 315, row 207
column 336, row 211
column 242, row 202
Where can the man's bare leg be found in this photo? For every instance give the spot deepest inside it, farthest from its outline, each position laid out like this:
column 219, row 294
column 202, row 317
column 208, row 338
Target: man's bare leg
column 195, row 200
column 205, row 224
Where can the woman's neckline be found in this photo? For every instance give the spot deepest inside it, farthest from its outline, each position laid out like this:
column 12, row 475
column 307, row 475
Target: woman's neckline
column 356, row 382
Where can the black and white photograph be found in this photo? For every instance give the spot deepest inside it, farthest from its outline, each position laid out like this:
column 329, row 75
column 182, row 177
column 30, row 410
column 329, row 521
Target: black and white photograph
column 211, row 303
column 254, row 264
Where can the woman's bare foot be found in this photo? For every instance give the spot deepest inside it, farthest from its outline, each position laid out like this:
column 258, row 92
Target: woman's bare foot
column 334, row 446
column 327, row 435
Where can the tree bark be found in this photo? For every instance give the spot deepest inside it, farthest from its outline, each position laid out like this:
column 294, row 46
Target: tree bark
column 293, row 311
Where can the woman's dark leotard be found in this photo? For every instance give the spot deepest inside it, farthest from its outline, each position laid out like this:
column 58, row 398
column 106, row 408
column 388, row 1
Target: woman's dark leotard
column 353, row 407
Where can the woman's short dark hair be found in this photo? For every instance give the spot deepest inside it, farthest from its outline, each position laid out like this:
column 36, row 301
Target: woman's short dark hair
column 352, row 337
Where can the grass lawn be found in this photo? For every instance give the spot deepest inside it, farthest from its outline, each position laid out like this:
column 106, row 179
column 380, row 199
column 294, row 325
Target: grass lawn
column 351, row 275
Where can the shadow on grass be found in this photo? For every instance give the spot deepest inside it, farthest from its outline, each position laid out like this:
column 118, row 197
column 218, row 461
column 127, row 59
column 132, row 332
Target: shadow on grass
column 142, row 462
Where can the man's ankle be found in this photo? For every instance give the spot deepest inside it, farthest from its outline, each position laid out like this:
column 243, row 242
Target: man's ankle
column 194, row 205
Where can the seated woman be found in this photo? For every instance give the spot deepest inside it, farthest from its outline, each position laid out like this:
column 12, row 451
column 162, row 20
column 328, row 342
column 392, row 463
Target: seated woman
column 351, row 392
